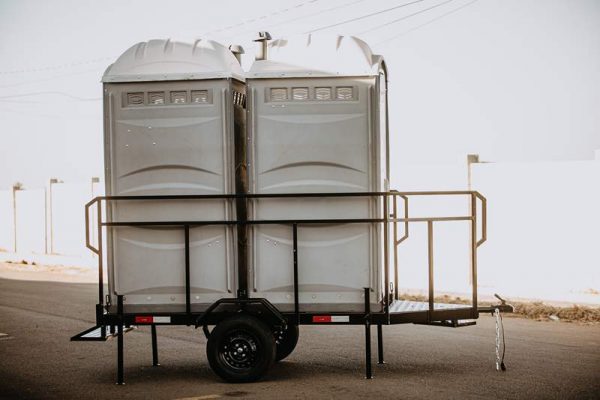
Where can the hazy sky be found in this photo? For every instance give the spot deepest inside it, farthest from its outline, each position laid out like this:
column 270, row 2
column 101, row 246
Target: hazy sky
column 513, row 80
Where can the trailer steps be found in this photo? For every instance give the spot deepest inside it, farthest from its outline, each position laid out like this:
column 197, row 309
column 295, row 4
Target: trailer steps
column 409, row 306
column 98, row 333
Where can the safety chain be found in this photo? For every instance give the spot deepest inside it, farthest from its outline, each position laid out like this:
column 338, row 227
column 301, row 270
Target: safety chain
column 499, row 326
column 497, row 315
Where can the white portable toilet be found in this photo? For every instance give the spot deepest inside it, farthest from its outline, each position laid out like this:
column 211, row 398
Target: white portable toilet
column 317, row 124
column 169, row 130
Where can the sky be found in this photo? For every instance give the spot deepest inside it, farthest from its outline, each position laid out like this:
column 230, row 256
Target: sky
column 511, row 80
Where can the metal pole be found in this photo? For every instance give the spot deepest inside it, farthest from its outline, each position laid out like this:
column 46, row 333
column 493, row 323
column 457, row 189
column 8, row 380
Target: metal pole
column 386, row 260
column 50, row 219
column 471, row 159
column 380, row 344
column 296, row 294
column 120, row 380
column 369, row 371
column 395, row 236
column 154, row 347
column 46, row 221
column 188, row 306
column 474, row 254
column 100, row 258
column 430, row 262
column 14, row 199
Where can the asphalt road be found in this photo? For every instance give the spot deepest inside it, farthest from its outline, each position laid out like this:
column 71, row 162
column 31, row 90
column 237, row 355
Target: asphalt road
column 545, row 360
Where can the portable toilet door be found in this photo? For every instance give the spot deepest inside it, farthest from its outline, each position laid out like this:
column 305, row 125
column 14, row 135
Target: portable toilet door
column 169, row 130
column 316, row 125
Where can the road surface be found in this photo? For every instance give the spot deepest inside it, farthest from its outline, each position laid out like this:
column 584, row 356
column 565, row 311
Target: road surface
column 545, row 360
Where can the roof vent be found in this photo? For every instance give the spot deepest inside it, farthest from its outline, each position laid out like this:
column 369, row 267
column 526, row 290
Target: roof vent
column 237, row 51
column 263, row 42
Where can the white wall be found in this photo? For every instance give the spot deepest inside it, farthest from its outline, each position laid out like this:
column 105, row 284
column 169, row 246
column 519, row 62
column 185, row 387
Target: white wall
column 31, row 221
column 68, row 217
column 6, row 221
column 543, row 228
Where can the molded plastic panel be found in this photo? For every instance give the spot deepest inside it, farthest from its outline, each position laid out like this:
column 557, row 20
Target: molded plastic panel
column 171, row 148
column 308, row 146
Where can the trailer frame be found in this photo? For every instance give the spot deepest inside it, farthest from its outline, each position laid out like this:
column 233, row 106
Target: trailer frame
column 111, row 324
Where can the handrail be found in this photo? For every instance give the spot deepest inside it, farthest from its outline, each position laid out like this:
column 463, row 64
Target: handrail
column 87, row 224
column 250, row 196
column 295, row 222
column 483, row 218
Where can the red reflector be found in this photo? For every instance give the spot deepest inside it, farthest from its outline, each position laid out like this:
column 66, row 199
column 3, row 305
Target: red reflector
column 321, row 318
column 140, row 319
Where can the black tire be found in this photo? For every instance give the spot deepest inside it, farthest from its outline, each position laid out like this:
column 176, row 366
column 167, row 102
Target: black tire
column 286, row 342
column 241, row 349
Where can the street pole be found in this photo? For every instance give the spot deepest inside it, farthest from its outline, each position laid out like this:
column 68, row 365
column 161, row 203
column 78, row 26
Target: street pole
column 15, row 187
column 50, row 216
column 471, row 159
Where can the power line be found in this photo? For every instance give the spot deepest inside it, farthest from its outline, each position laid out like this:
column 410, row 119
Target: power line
column 103, row 59
column 55, row 67
column 307, row 16
column 426, row 23
column 50, row 79
column 364, row 16
column 405, row 17
column 280, row 11
column 57, row 93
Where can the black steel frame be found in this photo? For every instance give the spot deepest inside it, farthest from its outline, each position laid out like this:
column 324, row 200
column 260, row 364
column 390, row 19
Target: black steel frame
column 105, row 319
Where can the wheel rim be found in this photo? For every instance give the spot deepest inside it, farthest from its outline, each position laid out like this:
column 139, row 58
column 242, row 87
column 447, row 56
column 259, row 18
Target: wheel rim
column 239, row 350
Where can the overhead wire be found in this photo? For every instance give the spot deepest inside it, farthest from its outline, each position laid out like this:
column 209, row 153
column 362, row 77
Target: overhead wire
column 306, row 16
column 278, row 12
column 50, row 78
column 405, row 17
column 389, row 39
column 364, row 16
column 56, row 66
column 102, row 59
column 56, row 93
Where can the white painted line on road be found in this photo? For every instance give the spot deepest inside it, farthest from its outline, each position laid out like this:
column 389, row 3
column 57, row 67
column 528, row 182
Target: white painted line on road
column 5, row 336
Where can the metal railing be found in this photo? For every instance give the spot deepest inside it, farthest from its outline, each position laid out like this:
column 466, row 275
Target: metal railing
column 385, row 219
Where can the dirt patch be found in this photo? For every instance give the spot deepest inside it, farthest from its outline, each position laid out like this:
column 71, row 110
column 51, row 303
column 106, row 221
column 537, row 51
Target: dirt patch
column 533, row 310
column 54, row 273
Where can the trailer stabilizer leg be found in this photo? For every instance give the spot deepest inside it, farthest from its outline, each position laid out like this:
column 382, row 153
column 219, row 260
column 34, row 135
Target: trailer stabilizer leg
column 369, row 370
column 380, row 344
column 120, row 380
column 154, row 347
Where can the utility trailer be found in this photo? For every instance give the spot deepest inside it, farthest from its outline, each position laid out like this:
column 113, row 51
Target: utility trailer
column 257, row 202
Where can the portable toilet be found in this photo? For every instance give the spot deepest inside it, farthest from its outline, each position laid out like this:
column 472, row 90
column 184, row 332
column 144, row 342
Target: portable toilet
column 170, row 130
column 317, row 123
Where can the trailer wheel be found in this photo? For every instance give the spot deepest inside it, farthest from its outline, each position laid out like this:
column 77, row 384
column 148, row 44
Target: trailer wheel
column 286, row 342
column 241, row 349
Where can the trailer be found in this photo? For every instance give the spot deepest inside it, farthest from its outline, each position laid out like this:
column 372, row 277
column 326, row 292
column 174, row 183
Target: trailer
column 257, row 202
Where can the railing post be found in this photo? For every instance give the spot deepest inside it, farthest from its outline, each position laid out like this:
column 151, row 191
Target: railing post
column 386, row 260
column 368, row 367
column 154, row 346
column 380, row 344
column 188, row 306
column 430, row 263
column 120, row 380
column 395, row 237
column 100, row 257
column 474, row 253
column 296, row 294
